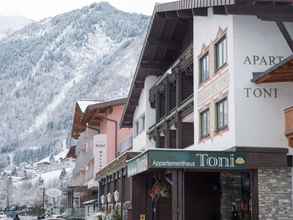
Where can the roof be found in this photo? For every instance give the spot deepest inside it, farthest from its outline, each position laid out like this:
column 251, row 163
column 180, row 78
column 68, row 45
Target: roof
column 167, row 37
column 84, row 111
column 91, row 110
column 282, row 72
column 106, row 104
column 85, row 103
column 171, row 28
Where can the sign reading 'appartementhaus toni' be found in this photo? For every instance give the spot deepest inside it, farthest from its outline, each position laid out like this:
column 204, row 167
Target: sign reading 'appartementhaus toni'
column 180, row 159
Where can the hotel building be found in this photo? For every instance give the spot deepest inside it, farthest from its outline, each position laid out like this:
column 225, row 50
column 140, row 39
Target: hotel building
column 210, row 107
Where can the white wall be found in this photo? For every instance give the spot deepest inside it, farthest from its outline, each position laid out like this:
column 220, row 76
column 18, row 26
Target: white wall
column 141, row 142
column 259, row 120
column 205, row 32
column 253, row 121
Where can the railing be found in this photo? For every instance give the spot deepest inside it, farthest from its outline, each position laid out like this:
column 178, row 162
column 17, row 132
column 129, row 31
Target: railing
column 75, row 213
column 188, row 101
column 289, row 124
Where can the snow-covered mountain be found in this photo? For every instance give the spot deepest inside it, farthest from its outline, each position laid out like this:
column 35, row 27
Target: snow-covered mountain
column 10, row 24
column 45, row 67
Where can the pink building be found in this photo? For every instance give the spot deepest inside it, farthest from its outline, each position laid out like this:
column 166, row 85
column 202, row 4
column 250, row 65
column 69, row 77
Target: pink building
column 99, row 141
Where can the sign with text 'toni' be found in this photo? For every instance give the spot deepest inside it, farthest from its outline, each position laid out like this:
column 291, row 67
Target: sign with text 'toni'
column 182, row 159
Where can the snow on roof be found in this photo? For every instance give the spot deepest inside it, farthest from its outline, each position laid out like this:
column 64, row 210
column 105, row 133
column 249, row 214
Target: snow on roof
column 59, row 156
column 49, row 177
column 84, row 104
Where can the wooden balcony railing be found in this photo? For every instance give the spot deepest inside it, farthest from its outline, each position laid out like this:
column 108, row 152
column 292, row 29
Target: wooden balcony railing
column 289, row 124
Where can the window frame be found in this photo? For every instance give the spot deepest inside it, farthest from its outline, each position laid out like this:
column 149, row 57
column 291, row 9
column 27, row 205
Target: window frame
column 204, row 133
column 139, row 125
column 224, row 124
column 204, row 76
column 224, row 53
column 136, row 127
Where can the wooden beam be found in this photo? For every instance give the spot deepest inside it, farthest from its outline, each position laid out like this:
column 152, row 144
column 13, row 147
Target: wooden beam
column 178, row 131
column 286, row 34
column 163, row 43
column 277, row 18
column 155, row 64
column 200, row 12
column 152, row 70
column 259, row 10
column 219, row 10
column 175, row 15
column 167, row 141
column 139, row 84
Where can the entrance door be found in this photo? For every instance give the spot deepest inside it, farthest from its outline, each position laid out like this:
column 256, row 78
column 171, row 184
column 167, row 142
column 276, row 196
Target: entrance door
column 202, row 196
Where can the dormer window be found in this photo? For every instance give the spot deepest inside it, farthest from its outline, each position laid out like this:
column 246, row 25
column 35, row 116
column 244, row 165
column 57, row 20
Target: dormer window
column 204, row 68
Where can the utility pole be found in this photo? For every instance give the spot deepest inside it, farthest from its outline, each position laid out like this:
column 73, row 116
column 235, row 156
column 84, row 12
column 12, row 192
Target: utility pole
column 8, row 191
column 44, row 199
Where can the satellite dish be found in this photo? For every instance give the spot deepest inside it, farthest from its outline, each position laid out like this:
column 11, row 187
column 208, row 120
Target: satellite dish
column 53, row 192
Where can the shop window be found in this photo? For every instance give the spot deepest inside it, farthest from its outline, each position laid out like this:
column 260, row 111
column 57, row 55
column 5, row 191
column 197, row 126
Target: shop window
column 221, row 53
column 204, row 124
column 204, row 68
column 222, row 114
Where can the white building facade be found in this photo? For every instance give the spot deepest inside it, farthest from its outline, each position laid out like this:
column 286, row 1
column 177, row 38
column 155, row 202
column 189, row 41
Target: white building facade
column 204, row 112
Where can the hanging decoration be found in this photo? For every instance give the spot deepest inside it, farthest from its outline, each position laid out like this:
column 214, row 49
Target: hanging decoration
column 159, row 190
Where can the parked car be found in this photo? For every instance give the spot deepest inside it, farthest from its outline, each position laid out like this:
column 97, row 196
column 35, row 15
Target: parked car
column 55, row 217
column 2, row 215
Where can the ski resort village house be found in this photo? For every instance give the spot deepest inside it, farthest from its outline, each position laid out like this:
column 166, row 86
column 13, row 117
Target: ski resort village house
column 210, row 110
column 99, row 141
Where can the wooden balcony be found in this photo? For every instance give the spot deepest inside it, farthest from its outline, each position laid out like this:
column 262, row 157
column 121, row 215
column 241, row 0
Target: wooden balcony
column 289, row 124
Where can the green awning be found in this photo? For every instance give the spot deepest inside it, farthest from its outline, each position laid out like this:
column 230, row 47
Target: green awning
column 185, row 159
column 238, row 158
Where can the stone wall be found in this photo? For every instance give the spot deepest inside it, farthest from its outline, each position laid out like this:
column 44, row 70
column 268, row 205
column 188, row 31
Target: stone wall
column 275, row 194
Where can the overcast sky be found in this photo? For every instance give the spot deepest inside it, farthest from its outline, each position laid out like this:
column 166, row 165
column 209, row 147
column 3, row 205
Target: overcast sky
column 38, row 9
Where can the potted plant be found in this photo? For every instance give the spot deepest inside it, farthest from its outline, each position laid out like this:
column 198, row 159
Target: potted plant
column 116, row 214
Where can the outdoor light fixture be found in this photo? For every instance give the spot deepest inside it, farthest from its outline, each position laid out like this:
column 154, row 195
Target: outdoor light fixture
column 116, row 196
column 109, row 197
column 102, row 199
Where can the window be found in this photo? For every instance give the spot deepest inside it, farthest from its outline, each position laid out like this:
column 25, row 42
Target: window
column 136, row 126
column 204, row 68
column 139, row 125
column 204, row 124
column 222, row 114
column 221, row 53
